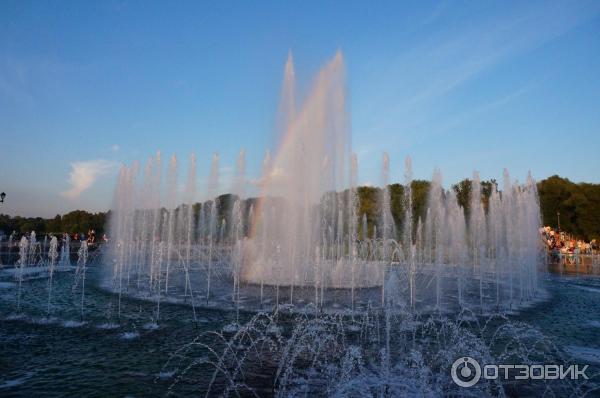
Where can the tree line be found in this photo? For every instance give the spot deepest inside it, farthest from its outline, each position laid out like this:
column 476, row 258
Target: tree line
column 577, row 203
column 73, row 222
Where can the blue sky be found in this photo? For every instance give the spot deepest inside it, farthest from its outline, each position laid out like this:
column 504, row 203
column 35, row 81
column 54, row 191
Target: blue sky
column 461, row 86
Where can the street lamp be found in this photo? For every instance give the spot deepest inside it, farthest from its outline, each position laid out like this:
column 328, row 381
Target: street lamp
column 2, row 196
column 558, row 216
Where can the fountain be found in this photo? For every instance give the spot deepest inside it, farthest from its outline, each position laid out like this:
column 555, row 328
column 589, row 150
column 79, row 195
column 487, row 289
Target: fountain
column 300, row 237
column 52, row 256
column 315, row 287
column 33, row 247
column 65, row 251
column 80, row 271
column 21, row 263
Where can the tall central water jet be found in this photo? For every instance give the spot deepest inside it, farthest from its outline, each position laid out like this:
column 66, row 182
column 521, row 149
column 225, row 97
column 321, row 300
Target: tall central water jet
column 312, row 160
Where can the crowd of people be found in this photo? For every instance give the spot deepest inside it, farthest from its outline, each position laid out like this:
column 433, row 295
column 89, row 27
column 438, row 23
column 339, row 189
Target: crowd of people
column 559, row 243
column 37, row 246
column 90, row 237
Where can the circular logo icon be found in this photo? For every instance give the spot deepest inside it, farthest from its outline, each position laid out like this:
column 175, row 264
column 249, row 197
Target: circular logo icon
column 466, row 372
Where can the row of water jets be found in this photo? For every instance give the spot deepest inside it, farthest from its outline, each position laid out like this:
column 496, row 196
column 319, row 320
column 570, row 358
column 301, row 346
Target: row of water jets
column 304, row 239
column 253, row 251
column 32, row 264
column 31, row 251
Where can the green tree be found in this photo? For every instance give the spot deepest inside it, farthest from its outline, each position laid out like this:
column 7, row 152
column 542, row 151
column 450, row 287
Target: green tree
column 578, row 205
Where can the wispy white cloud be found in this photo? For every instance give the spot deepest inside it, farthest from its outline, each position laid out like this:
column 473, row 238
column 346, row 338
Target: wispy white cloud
column 83, row 175
column 438, row 64
column 115, row 147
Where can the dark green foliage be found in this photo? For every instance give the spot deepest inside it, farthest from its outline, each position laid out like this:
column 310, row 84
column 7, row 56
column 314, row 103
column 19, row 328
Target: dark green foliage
column 397, row 203
column 75, row 221
column 578, row 204
column 82, row 221
column 486, row 191
column 368, row 199
column 420, row 193
column 463, row 193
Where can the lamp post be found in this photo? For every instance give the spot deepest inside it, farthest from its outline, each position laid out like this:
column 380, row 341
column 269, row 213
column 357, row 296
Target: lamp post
column 2, row 196
column 558, row 217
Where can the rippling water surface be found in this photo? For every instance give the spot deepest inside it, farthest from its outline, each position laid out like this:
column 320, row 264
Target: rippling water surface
column 63, row 354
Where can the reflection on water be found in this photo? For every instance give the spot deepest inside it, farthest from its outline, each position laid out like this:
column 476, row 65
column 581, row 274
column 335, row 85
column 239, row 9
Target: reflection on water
column 574, row 264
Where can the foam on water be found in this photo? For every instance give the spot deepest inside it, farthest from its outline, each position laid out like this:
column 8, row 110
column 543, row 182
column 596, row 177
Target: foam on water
column 129, row 335
column 7, row 384
column 73, row 324
column 231, row 328
column 108, row 326
column 167, row 374
column 151, row 326
column 595, row 324
column 591, row 289
column 14, row 317
column 47, row 320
